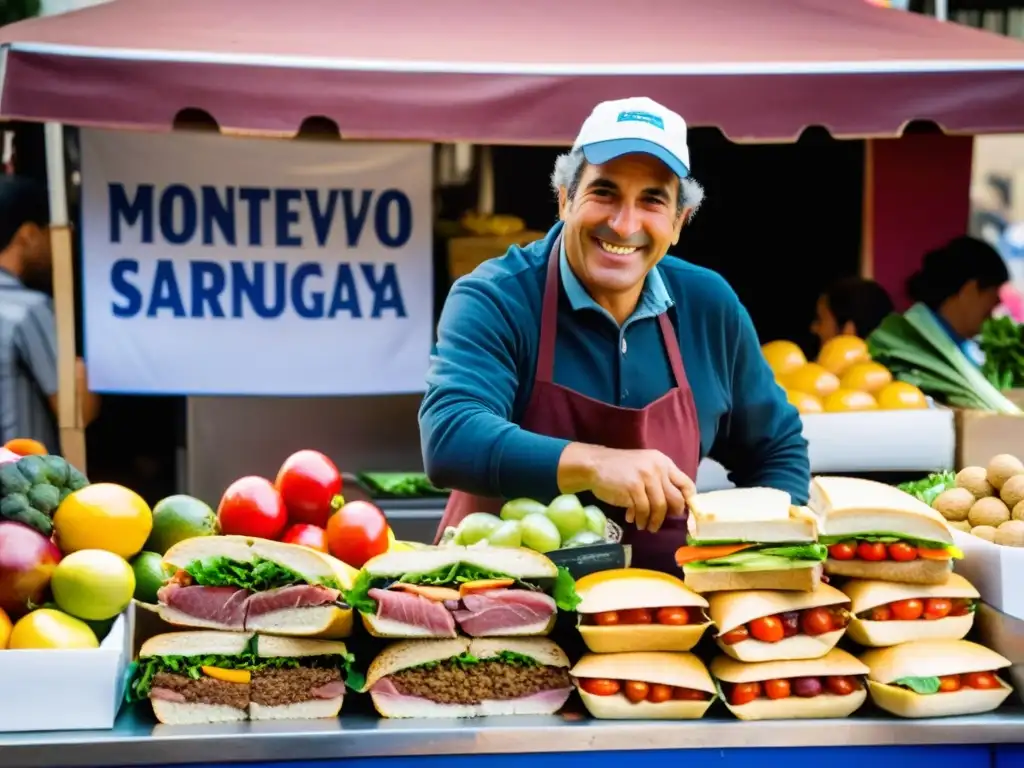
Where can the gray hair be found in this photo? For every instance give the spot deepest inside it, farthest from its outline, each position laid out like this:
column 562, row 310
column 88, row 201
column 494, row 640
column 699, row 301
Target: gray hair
column 569, row 169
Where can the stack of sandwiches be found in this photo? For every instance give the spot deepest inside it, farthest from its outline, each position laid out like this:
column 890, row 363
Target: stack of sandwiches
column 892, row 556
column 639, row 627
column 468, row 631
column 271, row 619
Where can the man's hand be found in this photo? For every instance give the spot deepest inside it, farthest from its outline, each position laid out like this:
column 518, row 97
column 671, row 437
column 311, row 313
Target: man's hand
column 646, row 483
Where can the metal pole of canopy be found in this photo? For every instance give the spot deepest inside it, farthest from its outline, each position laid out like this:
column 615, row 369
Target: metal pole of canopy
column 69, row 409
column 942, row 10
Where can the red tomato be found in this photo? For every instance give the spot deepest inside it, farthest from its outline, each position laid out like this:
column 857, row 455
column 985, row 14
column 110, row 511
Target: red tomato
column 310, row 536
column 872, row 551
column 776, row 689
column 744, row 693
column 982, row 680
column 357, row 532
column 636, row 691
column 252, row 506
column 840, row 685
column 635, row 616
column 659, row 693
column 961, row 607
column 606, row 618
column 673, row 617
column 937, row 607
column 767, row 629
column 907, row 610
column 734, row 636
column 902, row 552
column 598, row 687
column 949, row 683
column 688, row 694
column 816, row 621
column 308, row 481
column 881, row 613
column 844, row 550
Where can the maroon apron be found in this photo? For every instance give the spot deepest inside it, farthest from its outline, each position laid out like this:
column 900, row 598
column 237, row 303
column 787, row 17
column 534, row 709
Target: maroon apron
column 669, row 425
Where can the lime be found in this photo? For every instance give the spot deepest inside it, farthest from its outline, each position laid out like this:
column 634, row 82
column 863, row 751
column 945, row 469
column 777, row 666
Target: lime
column 46, row 628
column 150, row 574
column 567, row 514
column 92, row 584
column 177, row 518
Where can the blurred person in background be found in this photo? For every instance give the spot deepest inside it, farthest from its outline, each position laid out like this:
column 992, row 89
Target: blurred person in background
column 28, row 327
column 961, row 283
column 852, row 306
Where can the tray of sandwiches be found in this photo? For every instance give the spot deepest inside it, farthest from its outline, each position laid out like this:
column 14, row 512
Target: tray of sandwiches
column 777, row 611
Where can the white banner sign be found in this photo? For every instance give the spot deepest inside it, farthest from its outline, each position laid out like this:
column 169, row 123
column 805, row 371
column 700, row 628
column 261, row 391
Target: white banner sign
column 225, row 266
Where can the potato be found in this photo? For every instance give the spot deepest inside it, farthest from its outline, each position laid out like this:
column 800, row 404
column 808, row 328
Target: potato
column 1010, row 534
column 954, row 504
column 960, row 525
column 990, row 511
column 1002, row 467
column 986, row 532
column 1012, row 492
column 975, row 480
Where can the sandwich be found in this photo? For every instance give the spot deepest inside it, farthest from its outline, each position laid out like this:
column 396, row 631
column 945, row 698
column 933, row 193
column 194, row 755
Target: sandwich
column 764, row 625
column 886, row 613
column 239, row 583
column 750, row 538
column 875, row 531
column 469, row 678
column 484, row 591
column 644, row 686
column 224, row 677
column 936, row 678
column 632, row 609
column 831, row 686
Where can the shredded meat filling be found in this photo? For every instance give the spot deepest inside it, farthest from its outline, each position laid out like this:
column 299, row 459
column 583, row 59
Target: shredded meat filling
column 449, row 683
column 278, row 687
column 205, row 690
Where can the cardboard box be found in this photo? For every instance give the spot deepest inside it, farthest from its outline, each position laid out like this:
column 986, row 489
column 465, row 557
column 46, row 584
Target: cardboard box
column 66, row 690
column 980, row 435
column 996, row 572
column 1003, row 634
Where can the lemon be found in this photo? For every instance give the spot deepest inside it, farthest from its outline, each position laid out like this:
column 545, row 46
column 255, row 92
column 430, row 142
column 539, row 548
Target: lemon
column 867, row 377
column 103, row 516
column 847, row 400
column 49, row 629
column 5, row 629
column 840, row 352
column 783, row 356
column 92, row 584
column 900, row 396
column 804, row 402
column 811, row 379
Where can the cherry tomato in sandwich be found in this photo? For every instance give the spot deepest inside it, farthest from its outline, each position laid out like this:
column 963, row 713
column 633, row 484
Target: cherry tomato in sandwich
column 881, row 613
column 659, row 693
column 744, row 693
column 767, row 629
column 636, row 691
column 606, row 618
column 598, row 687
column 635, row 616
column 308, row 481
column 776, row 689
column 734, row 636
column 961, row 607
column 357, row 532
column 251, row 506
column 688, row 694
column 673, row 617
column 872, row 551
column 790, row 623
column 844, row 550
column 311, row 536
column 981, row 680
column 816, row 621
column 907, row 610
column 840, row 685
column 949, row 683
column 902, row 552
column 937, row 608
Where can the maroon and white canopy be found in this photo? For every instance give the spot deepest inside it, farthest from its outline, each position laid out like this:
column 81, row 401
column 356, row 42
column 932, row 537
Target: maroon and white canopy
column 512, row 71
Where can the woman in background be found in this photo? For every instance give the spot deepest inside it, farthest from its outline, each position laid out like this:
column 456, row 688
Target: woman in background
column 851, row 306
column 960, row 284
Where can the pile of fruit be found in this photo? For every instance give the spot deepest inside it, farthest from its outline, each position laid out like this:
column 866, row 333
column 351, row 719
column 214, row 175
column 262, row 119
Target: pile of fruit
column 844, row 378
column 564, row 523
column 986, row 501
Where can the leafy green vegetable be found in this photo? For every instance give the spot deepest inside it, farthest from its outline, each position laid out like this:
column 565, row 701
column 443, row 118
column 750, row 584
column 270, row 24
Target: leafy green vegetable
column 766, row 558
column 927, row 489
column 917, row 350
column 921, row 685
column 257, row 576
column 405, row 484
column 1002, row 341
column 563, row 590
column 33, row 487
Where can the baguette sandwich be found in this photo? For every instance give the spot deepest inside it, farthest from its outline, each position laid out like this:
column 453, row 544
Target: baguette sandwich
column 764, row 625
column 936, row 678
column 644, row 686
column 484, row 591
column 886, row 613
column 828, row 687
column 875, row 531
column 222, row 677
column 469, row 678
column 750, row 538
column 238, row 583
column 632, row 609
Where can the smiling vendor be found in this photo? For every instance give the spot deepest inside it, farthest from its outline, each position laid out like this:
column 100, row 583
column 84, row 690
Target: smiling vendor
column 589, row 362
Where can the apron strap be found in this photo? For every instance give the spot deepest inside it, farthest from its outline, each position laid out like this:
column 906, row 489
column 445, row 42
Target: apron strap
column 549, row 318
column 675, row 357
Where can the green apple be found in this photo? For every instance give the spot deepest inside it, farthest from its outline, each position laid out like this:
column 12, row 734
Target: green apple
column 596, row 520
column 517, row 509
column 475, row 527
column 508, row 534
column 567, row 514
column 539, row 533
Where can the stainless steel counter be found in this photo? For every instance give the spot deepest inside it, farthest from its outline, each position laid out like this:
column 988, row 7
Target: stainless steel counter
column 136, row 741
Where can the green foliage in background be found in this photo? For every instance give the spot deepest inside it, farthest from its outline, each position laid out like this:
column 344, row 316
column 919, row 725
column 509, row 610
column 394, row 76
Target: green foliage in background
column 16, row 10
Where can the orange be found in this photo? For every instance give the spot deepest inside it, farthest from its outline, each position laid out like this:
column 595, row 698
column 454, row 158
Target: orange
column 865, row 377
column 900, row 396
column 5, row 629
column 845, row 400
column 804, row 402
column 25, row 446
column 783, row 357
column 811, row 379
column 840, row 352
column 103, row 516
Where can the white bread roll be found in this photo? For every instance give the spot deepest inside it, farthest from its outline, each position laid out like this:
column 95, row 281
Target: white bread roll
column 849, row 506
column 176, row 713
column 196, row 644
column 516, row 562
column 314, row 709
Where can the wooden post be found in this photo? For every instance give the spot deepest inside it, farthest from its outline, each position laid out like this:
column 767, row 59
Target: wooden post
column 867, row 214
